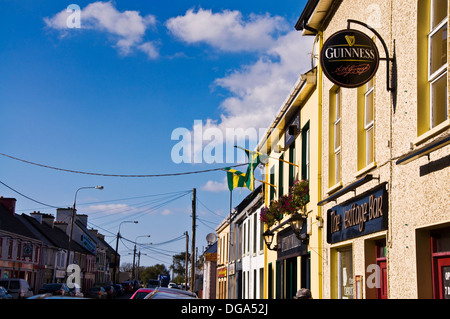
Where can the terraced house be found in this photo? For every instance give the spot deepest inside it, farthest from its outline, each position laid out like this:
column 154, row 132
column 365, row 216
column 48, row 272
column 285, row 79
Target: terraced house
column 385, row 153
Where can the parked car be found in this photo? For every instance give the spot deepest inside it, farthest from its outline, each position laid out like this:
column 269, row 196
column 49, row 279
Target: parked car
column 127, row 286
column 4, row 294
column 153, row 283
column 173, row 285
column 17, row 288
column 163, row 293
column 97, row 293
column 119, row 290
column 51, row 296
column 110, row 291
column 60, row 289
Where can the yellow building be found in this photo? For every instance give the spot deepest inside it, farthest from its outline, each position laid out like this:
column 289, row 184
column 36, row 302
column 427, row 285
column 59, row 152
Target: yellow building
column 223, row 237
column 385, row 160
column 293, row 260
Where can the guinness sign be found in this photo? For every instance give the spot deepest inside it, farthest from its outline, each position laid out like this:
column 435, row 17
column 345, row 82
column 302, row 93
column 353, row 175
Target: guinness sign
column 349, row 58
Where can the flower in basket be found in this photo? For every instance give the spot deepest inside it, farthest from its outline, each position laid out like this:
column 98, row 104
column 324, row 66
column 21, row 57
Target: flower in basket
column 264, row 215
column 300, row 194
column 287, row 206
column 275, row 210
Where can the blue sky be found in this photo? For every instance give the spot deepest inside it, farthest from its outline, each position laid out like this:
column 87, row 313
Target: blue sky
column 107, row 96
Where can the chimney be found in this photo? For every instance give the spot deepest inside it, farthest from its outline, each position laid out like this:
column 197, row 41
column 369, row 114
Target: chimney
column 61, row 225
column 48, row 219
column 64, row 215
column 37, row 216
column 9, row 203
column 83, row 219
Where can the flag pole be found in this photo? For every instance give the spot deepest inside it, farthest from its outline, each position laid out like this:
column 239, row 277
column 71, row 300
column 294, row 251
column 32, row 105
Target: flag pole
column 259, row 153
column 265, row 183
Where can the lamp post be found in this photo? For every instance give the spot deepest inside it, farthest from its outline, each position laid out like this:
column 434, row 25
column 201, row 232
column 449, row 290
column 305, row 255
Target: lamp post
column 134, row 254
column 117, row 247
column 73, row 218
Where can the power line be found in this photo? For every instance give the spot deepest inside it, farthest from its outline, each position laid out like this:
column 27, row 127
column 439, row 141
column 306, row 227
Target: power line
column 33, row 200
column 116, row 175
column 146, row 211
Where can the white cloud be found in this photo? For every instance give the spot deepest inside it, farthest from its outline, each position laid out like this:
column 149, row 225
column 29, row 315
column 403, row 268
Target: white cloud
column 258, row 90
column 127, row 28
column 254, row 92
column 227, row 31
column 111, row 209
column 215, row 187
column 166, row 212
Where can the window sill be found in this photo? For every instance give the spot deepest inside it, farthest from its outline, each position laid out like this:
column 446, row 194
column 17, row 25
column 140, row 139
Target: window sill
column 431, row 133
column 334, row 188
column 366, row 169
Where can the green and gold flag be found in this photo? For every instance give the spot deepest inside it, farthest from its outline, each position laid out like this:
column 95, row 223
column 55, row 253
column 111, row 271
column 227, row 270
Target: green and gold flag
column 254, row 159
column 236, row 178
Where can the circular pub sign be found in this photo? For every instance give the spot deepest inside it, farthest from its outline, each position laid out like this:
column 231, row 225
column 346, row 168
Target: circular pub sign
column 349, row 58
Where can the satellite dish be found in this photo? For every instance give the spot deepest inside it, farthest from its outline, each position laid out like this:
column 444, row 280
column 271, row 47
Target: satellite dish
column 211, row 238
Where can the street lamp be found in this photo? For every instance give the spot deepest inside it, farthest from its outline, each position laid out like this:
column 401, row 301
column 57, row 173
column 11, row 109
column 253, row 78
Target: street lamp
column 73, row 217
column 268, row 239
column 134, row 253
column 297, row 221
column 117, row 246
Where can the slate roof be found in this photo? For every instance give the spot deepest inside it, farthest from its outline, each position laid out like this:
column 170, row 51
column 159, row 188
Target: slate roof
column 11, row 223
column 53, row 236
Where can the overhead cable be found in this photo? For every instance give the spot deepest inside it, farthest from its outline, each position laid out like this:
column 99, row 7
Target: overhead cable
column 117, row 175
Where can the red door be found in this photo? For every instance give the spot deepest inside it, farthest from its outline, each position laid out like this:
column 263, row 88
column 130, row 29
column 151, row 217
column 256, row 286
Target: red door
column 443, row 278
column 440, row 253
column 382, row 291
column 381, row 263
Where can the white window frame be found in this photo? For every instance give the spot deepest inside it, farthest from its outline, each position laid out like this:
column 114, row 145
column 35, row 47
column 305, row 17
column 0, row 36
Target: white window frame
column 337, row 150
column 369, row 126
column 442, row 71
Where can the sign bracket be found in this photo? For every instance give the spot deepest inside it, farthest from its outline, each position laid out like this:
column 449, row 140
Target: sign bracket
column 388, row 59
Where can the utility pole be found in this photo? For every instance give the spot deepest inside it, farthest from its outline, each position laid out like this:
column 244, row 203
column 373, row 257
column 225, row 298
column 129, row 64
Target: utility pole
column 186, row 262
column 194, row 195
column 133, row 276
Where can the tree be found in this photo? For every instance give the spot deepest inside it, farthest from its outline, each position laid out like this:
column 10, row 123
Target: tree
column 179, row 267
column 152, row 272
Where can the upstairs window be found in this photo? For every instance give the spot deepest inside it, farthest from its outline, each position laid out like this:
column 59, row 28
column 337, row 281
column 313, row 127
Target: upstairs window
column 437, row 62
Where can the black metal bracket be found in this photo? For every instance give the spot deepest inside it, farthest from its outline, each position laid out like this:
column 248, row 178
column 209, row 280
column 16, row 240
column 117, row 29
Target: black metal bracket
column 388, row 59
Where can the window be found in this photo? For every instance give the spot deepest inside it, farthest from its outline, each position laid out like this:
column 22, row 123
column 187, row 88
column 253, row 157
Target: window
column 432, row 67
column 365, row 118
column 261, row 236
column 334, row 162
column 345, row 273
column 261, row 283
column 292, row 167
column 368, row 121
column 272, row 182
column 305, row 151
column 437, row 62
column 255, row 225
column 280, row 176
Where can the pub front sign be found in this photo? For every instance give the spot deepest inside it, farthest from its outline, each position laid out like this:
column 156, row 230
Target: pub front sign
column 349, row 58
column 363, row 215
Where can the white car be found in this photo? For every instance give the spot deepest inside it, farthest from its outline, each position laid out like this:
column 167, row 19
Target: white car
column 173, row 285
column 17, row 288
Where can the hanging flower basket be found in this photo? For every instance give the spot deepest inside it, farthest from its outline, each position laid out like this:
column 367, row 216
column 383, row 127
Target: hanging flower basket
column 272, row 214
column 287, row 204
column 300, row 194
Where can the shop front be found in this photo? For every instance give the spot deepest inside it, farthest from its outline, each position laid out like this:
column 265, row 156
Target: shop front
column 356, row 233
column 292, row 264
